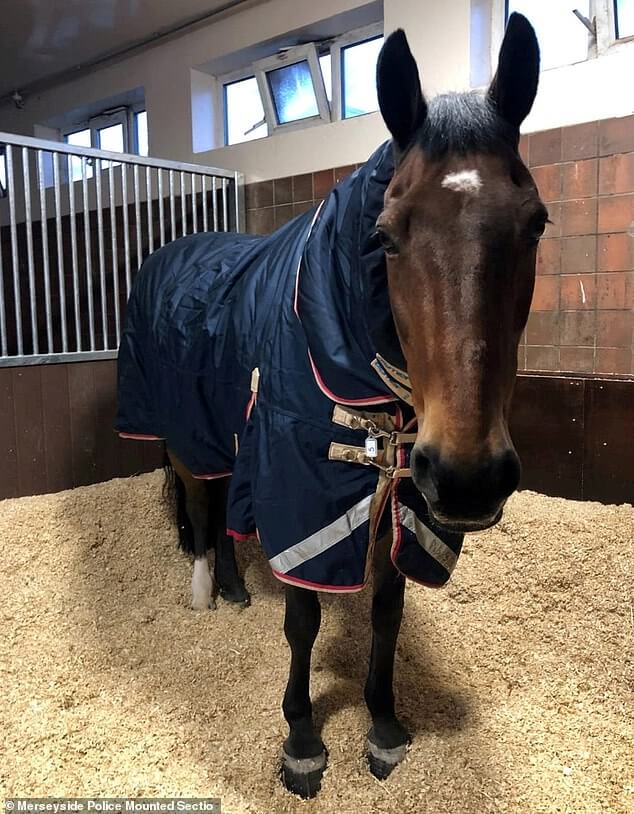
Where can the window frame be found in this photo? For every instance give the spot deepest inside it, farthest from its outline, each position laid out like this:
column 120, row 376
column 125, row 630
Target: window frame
column 292, row 56
column 133, row 111
column 602, row 12
column 110, row 118
column 328, row 111
column 609, row 26
column 355, row 37
column 124, row 115
column 221, row 128
column 3, row 162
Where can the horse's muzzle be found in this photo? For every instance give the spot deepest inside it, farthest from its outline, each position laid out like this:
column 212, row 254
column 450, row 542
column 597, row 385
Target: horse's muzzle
column 465, row 497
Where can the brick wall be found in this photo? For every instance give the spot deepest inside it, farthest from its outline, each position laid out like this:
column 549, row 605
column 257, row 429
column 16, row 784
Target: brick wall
column 582, row 315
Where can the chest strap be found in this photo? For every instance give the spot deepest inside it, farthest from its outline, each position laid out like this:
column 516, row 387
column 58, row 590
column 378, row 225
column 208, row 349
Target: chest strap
column 379, row 426
column 396, row 379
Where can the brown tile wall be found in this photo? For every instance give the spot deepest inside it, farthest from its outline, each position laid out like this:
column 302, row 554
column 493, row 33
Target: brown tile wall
column 582, row 317
column 271, row 204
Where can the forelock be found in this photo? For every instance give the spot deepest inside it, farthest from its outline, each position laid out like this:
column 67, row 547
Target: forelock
column 464, row 123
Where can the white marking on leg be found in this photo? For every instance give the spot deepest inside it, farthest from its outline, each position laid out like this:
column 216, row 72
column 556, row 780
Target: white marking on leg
column 202, row 585
column 463, row 181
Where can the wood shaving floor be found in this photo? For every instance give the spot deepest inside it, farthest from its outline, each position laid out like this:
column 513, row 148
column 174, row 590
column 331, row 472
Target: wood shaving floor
column 515, row 680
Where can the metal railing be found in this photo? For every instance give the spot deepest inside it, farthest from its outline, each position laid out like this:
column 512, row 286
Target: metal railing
column 75, row 226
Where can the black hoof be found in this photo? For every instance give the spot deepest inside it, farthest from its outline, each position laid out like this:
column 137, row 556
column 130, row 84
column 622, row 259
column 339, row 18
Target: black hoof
column 302, row 776
column 382, row 762
column 238, row 595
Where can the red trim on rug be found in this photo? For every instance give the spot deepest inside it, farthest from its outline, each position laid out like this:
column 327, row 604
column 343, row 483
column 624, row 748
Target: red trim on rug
column 241, row 538
column 396, row 529
column 316, row 586
column 213, row 475
column 337, row 399
column 134, row 436
column 409, row 424
column 318, row 378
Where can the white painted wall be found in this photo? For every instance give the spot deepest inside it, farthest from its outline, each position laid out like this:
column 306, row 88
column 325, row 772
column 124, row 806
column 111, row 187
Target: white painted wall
column 439, row 36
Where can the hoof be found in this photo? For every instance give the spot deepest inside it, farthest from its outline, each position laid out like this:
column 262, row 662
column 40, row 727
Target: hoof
column 237, row 596
column 203, row 604
column 302, row 776
column 202, row 586
column 383, row 761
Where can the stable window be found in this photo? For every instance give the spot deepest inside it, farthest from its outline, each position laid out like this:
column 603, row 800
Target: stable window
column 292, row 87
column 325, row 65
column 358, row 72
column 244, row 114
column 3, row 174
column 118, row 131
column 141, row 133
column 568, row 32
column 80, row 138
column 624, row 18
column 563, row 37
column 303, row 85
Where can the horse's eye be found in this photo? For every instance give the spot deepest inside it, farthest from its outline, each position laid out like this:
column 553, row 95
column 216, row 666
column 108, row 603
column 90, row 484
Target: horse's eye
column 388, row 244
column 537, row 227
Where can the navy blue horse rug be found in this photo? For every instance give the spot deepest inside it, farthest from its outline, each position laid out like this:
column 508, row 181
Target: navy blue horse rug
column 274, row 360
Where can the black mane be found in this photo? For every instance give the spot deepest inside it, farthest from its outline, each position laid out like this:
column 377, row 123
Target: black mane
column 464, row 123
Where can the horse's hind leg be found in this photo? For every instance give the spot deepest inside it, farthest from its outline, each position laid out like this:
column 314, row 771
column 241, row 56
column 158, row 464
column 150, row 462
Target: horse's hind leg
column 192, row 510
column 387, row 738
column 304, row 756
column 230, row 584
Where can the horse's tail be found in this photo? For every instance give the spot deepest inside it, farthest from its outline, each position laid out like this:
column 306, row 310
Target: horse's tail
column 175, row 494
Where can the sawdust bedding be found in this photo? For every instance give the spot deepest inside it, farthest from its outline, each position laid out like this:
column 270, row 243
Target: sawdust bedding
column 515, row 679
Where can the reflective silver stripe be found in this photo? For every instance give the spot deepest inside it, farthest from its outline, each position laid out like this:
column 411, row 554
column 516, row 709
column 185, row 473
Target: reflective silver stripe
column 433, row 545
column 323, row 539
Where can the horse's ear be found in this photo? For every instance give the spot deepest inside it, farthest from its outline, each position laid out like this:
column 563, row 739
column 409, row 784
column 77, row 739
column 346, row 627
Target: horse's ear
column 514, row 85
column 400, row 96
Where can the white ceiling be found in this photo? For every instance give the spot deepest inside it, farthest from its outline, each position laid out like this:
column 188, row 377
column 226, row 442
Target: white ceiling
column 41, row 38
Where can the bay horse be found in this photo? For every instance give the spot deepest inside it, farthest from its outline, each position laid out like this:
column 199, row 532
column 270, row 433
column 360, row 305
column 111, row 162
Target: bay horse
column 407, row 292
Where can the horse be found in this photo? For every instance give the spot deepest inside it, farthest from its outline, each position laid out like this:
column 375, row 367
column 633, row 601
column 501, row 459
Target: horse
column 257, row 358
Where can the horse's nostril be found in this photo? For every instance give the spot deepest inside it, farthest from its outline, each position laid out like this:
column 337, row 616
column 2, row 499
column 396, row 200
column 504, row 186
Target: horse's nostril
column 422, row 464
column 465, row 490
column 510, row 472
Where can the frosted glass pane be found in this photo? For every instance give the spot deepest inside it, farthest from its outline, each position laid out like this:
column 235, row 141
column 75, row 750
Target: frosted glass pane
column 80, row 139
column 293, row 93
column 624, row 18
column 358, row 64
column 141, row 132
column 325, row 63
column 244, row 114
column 562, row 38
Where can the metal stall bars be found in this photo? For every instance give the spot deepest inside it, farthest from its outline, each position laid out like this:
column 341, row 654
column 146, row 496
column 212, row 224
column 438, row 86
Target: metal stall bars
column 76, row 224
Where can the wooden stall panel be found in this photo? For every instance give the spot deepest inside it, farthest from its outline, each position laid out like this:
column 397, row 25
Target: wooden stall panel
column 547, row 427
column 8, row 440
column 56, row 427
column 83, row 423
column 609, row 449
column 108, row 453
column 29, row 425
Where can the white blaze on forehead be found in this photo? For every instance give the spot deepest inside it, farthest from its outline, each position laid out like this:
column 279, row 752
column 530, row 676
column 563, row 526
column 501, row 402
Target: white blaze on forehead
column 463, row 181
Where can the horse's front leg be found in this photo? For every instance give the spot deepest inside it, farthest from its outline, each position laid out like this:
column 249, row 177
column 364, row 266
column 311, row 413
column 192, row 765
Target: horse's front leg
column 304, row 756
column 387, row 738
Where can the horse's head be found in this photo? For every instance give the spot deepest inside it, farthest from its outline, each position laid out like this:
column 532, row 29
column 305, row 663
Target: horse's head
column 460, row 227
